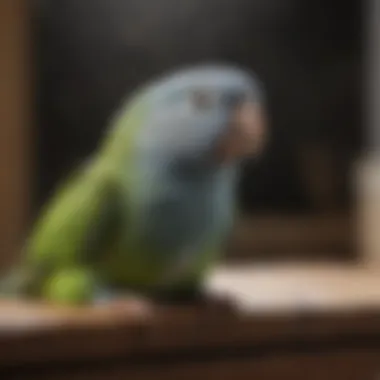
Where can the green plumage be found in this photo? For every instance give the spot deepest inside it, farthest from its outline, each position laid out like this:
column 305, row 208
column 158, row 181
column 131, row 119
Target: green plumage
column 147, row 212
column 78, row 227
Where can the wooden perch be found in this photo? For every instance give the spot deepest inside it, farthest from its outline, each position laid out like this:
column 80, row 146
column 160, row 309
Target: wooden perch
column 279, row 311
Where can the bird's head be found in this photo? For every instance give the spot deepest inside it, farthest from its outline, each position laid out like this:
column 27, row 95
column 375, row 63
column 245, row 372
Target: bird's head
column 209, row 113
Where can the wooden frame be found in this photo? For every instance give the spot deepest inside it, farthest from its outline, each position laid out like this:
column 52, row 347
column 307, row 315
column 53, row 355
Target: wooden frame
column 15, row 125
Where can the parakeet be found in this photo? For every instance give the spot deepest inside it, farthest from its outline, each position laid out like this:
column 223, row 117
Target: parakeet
column 150, row 211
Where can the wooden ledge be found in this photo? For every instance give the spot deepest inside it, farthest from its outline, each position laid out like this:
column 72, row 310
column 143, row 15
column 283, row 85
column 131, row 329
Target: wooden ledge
column 274, row 305
column 296, row 237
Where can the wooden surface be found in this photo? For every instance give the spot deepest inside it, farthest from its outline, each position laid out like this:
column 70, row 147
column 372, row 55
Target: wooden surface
column 318, row 313
column 351, row 365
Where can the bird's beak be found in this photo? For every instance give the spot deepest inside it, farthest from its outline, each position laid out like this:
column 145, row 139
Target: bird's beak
column 246, row 132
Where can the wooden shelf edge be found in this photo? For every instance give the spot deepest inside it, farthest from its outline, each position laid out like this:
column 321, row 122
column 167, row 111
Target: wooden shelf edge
column 290, row 236
column 333, row 311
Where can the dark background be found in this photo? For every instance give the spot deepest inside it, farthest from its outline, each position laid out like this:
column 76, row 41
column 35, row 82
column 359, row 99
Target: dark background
column 308, row 53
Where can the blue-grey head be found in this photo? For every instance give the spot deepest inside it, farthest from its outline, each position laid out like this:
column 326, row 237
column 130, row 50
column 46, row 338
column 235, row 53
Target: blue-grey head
column 209, row 114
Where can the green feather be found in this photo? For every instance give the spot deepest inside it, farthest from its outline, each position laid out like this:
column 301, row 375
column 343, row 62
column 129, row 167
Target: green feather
column 79, row 226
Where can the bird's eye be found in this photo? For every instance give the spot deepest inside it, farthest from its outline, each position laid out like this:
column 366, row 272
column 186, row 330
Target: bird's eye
column 202, row 100
column 233, row 99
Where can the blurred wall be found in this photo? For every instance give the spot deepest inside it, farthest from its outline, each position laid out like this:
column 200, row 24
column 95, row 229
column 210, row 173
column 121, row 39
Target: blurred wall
column 308, row 53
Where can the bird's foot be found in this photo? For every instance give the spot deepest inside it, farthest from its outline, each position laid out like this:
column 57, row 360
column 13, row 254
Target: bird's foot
column 209, row 301
column 121, row 301
column 201, row 299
